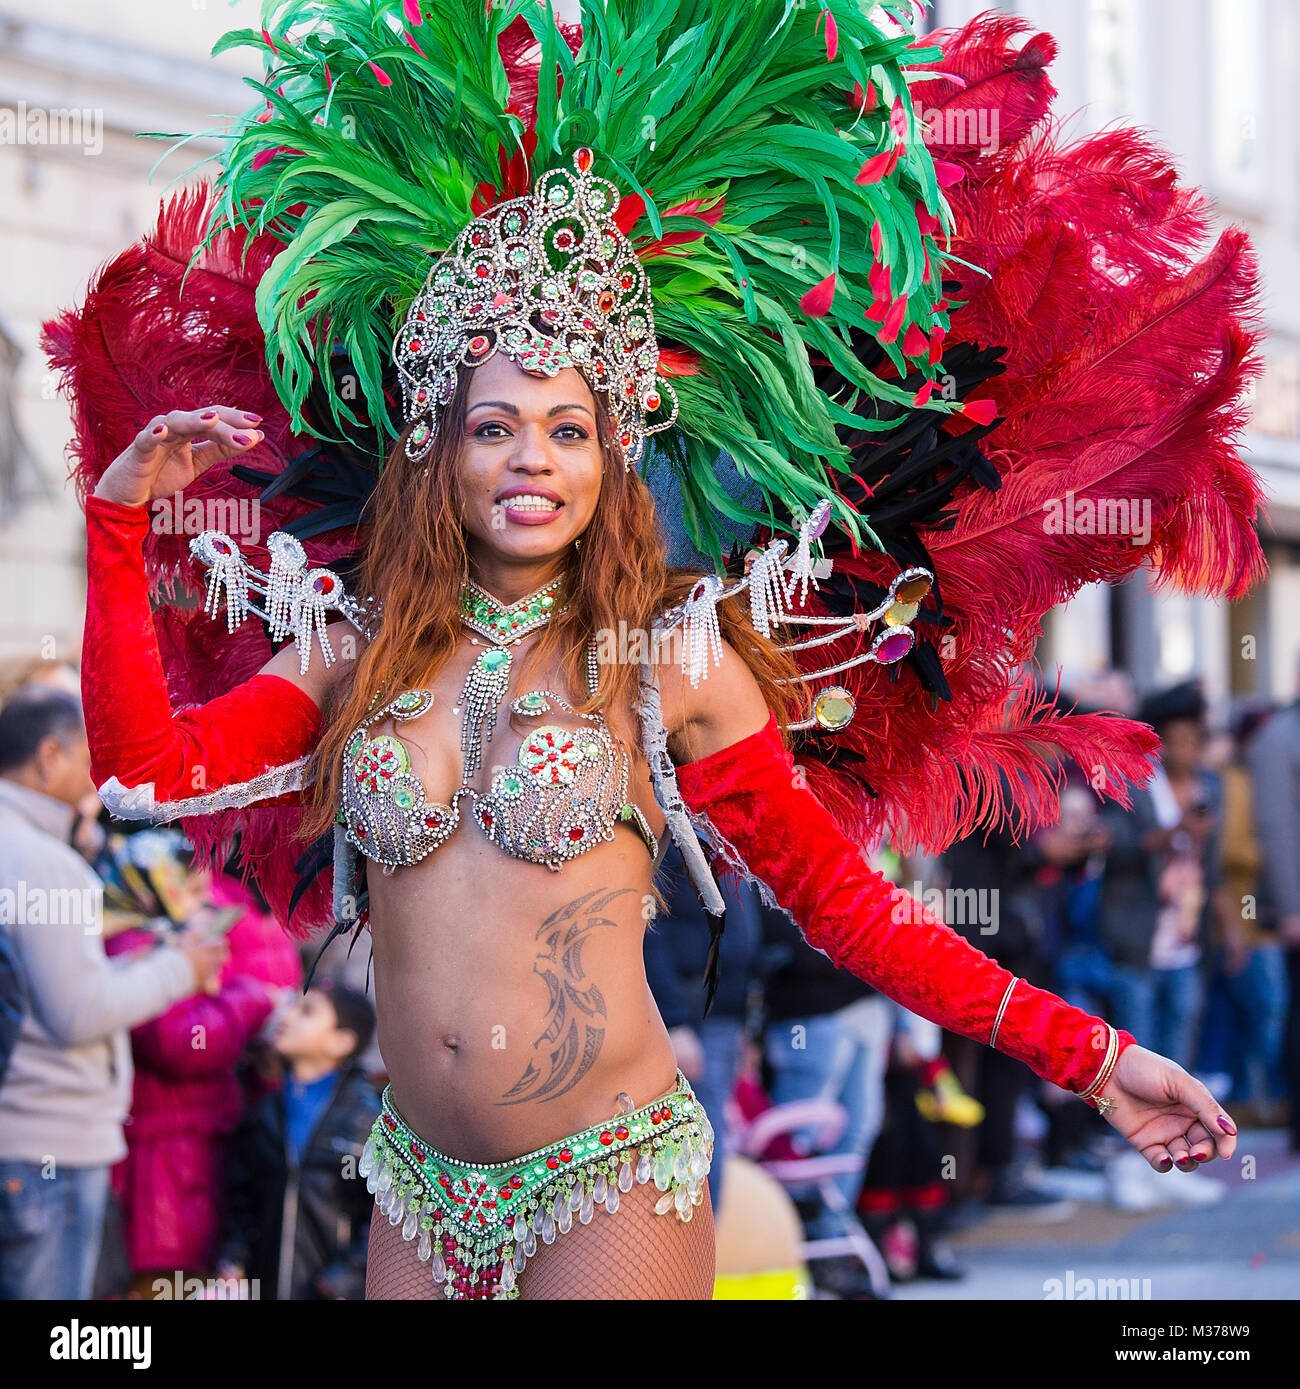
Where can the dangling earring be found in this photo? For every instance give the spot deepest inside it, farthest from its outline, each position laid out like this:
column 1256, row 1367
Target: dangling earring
column 577, row 544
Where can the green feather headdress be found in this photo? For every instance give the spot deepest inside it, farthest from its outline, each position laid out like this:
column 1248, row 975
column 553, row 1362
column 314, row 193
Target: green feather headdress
column 773, row 176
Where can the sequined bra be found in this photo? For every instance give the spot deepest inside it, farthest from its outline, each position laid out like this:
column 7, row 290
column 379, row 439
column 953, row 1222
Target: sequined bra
column 565, row 795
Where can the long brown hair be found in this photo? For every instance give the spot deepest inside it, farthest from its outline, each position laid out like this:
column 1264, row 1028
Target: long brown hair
column 416, row 559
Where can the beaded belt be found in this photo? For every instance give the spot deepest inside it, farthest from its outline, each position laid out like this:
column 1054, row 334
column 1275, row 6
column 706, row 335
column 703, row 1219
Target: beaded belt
column 477, row 1225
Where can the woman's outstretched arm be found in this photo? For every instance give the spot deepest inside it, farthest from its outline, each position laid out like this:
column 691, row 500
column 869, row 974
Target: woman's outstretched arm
column 145, row 759
column 740, row 776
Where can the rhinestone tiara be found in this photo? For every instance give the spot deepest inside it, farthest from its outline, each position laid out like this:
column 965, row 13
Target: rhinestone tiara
column 554, row 256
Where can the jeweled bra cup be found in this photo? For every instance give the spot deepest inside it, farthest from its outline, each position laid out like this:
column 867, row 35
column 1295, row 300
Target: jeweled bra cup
column 478, row 1224
column 566, row 793
column 389, row 818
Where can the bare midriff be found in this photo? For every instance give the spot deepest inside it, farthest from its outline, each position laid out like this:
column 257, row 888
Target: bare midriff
column 512, row 999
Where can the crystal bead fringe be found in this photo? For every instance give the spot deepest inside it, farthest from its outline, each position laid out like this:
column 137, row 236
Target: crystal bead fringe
column 477, row 1228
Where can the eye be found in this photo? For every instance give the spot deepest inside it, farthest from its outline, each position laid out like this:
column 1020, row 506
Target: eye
column 572, row 433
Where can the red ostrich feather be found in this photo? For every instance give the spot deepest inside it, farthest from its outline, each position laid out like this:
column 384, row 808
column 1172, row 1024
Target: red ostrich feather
column 1129, row 347
column 150, row 338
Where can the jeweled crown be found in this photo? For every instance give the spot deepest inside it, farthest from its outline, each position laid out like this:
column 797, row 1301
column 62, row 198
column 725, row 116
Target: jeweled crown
column 554, row 257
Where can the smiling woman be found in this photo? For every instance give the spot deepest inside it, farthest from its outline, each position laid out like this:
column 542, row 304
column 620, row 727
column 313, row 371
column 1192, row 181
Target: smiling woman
column 533, row 460
column 521, row 495
column 507, row 432
column 511, row 530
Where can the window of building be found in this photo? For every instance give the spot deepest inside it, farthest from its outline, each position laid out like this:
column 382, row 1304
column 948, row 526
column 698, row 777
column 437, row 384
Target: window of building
column 1237, row 81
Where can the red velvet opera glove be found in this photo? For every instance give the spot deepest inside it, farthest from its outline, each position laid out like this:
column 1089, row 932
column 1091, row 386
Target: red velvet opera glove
column 756, row 801
column 241, row 748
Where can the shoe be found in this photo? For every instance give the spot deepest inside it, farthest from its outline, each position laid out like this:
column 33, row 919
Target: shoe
column 1136, row 1187
column 842, row 1277
column 1191, row 1188
column 1012, row 1192
column 900, row 1249
column 945, row 1102
column 1127, row 1180
column 934, row 1258
column 966, row 1214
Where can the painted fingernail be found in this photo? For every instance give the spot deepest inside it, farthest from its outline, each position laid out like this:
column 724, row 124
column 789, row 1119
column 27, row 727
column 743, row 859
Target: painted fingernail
column 1165, row 1164
column 1225, row 1125
column 252, row 418
column 159, row 429
column 208, row 415
column 1185, row 1164
column 243, row 438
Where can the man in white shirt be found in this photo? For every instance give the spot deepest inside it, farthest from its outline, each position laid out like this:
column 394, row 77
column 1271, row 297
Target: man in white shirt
column 67, row 1089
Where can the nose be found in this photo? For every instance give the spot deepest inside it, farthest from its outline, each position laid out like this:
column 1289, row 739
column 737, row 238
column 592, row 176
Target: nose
column 530, row 454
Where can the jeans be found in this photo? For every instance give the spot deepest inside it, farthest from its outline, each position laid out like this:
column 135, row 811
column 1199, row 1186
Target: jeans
column 1260, row 994
column 839, row 1056
column 720, row 1040
column 1160, row 1007
column 50, row 1230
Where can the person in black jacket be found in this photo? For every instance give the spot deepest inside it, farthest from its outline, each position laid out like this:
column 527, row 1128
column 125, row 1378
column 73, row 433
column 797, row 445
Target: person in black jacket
column 296, row 1216
column 1162, row 872
column 708, row 1050
column 999, row 907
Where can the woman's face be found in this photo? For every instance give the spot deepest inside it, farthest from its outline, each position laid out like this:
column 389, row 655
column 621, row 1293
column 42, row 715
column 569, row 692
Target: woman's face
column 530, row 462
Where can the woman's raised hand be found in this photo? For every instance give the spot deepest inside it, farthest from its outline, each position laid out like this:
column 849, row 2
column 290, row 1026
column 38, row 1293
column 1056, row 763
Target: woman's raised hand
column 172, row 450
column 1166, row 1114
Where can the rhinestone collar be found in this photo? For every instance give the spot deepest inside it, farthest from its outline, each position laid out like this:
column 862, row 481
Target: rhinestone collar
column 500, row 622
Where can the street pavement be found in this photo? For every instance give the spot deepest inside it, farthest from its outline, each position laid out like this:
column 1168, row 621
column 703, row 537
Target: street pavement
column 1244, row 1247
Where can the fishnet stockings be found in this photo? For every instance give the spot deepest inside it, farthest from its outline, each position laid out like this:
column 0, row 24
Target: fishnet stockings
column 632, row 1255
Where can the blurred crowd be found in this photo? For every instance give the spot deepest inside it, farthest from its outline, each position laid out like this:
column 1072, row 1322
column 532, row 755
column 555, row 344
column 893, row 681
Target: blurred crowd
column 177, row 1117
column 1176, row 917
column 174, row 1107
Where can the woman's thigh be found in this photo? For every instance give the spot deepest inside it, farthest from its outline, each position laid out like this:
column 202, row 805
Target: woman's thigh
column 632, row 1255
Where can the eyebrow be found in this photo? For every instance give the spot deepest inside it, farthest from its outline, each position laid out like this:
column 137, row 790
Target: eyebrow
column 514, row 409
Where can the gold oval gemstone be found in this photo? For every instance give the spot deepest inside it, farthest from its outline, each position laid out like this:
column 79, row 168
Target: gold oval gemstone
column 913, row 590
column 833, row 708
column 901, row 614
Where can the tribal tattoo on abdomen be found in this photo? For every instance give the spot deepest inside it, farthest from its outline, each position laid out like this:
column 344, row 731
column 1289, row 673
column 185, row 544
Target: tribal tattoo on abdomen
column 575, row 1015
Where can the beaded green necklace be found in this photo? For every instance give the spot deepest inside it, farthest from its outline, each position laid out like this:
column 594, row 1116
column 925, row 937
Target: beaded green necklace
column 501, row 622
column 504, row 625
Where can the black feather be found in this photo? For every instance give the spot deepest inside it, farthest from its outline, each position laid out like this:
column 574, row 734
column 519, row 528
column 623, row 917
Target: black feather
column 717, row 924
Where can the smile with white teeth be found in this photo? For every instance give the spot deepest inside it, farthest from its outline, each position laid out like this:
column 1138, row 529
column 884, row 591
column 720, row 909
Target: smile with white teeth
column 530, row 502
